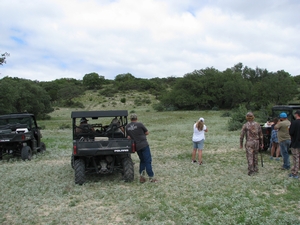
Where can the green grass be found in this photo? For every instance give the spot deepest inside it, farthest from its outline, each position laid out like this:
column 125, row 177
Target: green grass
column 42, row 191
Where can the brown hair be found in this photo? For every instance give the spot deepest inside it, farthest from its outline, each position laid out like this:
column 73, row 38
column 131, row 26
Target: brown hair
column 199, row 125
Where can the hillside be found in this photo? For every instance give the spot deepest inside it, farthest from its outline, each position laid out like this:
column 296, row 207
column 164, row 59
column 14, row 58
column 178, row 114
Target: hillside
column 92, row 100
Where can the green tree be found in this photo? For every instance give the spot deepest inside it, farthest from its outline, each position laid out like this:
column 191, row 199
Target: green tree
column 187, row 93
column 297, row 79
column 3, row 58
column 68, row 93
column 9, row 95
column 237, row 68
column 235, row 90
column 158, row 86
column 23, row 95
column 276, row 88
column 53, row 88
column 124, row 77
column 126, row 82
column 93, row 80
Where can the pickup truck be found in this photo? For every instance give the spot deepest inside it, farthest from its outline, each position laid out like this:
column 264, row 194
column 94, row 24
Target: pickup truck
column 100, row 146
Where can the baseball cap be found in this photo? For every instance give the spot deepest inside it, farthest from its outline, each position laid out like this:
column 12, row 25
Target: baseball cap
column 283, row 115
column 133, row 116
column 201, row 119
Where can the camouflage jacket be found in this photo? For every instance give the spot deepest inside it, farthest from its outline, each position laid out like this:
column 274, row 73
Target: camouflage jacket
column 252, row 131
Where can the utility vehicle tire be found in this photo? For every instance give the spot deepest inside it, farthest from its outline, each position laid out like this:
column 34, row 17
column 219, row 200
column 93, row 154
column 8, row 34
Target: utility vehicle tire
column 42, row 148
column 26, row 153
column 128, row 169
column 79, row 168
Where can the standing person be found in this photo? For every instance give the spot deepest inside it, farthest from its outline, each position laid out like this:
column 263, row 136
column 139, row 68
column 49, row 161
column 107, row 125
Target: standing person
column 274, row 140
column 254, row 141
column 137, row 132
column 198, row 140
column 270, row 123
column 295, row 144
column 284, row 139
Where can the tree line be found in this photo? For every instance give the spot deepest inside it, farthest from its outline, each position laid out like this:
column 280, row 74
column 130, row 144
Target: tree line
column 209, row 88
column 201, row 89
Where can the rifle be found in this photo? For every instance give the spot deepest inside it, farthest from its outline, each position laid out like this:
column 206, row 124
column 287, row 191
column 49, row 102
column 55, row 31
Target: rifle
column 261, row 157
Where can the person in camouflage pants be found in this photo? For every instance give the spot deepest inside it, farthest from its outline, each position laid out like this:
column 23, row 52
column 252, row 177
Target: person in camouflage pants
column 254, row 140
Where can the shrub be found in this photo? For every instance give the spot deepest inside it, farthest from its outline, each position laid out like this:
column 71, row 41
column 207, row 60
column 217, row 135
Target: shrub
column 263, row 115
column 215, row 108
column 123, row 100
column 237, row 118
column 138, row 101
column 159, row 107
column 147, row 100
column 108, row 92
column 226, row 114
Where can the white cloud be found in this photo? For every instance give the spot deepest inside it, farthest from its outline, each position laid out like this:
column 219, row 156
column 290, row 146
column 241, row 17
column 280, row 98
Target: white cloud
column 50, row 39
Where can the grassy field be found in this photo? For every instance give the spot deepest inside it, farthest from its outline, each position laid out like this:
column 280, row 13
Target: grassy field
column 42, row 191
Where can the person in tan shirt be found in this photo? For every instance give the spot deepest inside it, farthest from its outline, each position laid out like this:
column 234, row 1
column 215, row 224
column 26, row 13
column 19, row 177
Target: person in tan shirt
column 284, row 139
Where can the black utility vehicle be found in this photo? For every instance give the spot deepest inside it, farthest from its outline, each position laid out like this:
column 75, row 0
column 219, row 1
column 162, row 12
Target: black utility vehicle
column 276, row 110
column 100, row 146
column 20, row 136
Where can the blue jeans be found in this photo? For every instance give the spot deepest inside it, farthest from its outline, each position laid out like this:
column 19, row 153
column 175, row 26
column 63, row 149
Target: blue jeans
column 284, row 151
column 145, row 161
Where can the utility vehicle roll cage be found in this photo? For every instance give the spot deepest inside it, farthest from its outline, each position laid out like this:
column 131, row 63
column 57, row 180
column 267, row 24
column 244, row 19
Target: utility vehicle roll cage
column 109, row 130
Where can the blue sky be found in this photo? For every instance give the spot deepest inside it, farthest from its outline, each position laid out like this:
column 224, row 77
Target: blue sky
column 52, row 39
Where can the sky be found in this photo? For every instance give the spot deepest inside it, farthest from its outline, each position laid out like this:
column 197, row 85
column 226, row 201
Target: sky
column 53, row 39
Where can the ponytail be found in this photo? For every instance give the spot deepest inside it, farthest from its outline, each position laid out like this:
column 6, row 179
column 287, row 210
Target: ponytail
column 200, row 125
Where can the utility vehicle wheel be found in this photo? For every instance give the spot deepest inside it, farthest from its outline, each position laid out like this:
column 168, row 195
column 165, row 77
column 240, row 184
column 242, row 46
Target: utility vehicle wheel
column 26, row 153
column 128, row 169
column 42, row 148
column 79, row 168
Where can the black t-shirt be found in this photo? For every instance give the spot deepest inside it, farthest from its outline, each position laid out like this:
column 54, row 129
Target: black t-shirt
column 295, row 133
column 136, row 131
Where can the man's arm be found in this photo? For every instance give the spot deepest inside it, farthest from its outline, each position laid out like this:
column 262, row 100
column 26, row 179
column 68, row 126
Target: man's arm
column 146, row 132
column 277, row 126
column 242, row 136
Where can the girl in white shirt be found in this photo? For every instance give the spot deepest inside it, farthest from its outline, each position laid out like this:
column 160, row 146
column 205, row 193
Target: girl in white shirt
column 198, row 140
